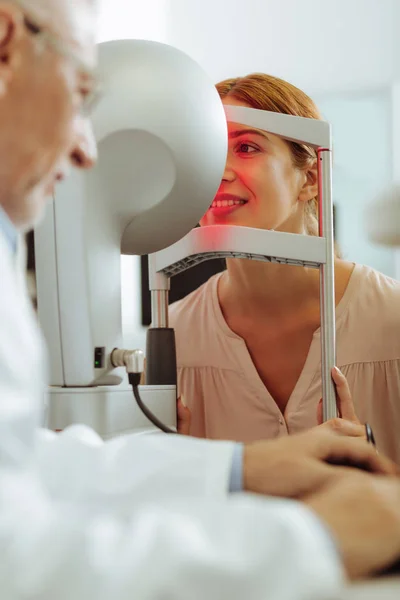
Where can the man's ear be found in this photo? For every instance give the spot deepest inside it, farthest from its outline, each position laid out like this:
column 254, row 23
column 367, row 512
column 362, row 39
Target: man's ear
column 11, row 29
column 309, row 189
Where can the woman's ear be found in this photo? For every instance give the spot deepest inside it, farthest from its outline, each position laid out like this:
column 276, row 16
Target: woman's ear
column 310, row 185
column 11, row 28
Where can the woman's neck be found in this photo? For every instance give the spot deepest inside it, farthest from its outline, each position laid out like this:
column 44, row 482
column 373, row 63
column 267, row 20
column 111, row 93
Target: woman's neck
column 268, row 289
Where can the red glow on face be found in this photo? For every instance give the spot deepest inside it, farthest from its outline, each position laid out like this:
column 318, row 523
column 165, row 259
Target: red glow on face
column 215, row 235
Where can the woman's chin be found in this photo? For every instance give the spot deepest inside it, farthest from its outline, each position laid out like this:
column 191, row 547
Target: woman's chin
column 227, row 215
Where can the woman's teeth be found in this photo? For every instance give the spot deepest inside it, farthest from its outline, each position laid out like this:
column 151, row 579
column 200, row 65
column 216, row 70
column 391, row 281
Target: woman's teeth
column 226, row 203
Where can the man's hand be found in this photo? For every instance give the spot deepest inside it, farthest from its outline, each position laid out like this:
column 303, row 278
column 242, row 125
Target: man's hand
column 302, row 464
column 363, row 514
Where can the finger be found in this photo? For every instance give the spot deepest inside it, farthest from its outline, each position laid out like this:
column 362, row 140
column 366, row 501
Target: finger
column 345, row 428
column 356, row 453
column 325, row 475
column 184, row 417
column 320, row 417
column 344, row 400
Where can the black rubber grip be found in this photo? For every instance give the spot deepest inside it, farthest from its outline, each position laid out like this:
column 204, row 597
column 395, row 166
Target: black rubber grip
column 161, row 357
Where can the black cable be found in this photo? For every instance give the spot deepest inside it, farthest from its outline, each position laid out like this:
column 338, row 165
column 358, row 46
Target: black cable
column 134, row 380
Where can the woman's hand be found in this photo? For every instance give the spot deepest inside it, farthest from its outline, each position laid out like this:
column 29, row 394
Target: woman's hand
column 184, row 417
column 347, row 423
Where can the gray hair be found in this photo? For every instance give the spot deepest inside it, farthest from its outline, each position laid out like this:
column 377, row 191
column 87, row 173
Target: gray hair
column 53, row 13
column 38, row 7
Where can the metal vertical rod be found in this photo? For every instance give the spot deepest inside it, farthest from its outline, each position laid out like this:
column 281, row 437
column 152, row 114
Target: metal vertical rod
column 159, row 285
column 327, row 284
column 160, row 344
column 159, row 308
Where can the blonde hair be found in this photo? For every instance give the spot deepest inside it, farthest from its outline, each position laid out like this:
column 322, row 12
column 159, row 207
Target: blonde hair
column 266, row 92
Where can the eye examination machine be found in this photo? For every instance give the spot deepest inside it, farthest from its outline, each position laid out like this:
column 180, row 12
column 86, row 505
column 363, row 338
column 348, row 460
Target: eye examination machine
column 161, row 131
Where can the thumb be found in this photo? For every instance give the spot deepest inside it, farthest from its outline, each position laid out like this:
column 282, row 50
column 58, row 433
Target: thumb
column 344, row 400
column 320, row 417
column 184, row 417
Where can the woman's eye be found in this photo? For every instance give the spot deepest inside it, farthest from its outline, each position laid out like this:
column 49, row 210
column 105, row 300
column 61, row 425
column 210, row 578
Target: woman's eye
column 246, row 148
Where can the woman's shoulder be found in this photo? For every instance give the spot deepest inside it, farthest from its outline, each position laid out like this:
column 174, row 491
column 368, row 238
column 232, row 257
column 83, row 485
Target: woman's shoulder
column 377, row 291
column 196, row 307
column 195, row 320
column 370, row 323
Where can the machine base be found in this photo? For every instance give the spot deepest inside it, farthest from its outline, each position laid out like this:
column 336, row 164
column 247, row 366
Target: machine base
column 109, row 410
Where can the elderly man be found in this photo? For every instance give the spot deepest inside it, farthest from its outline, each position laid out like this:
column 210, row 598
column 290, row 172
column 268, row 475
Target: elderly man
column 156, row 516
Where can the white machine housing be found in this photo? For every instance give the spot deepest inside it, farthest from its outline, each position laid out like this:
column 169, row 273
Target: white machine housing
column 162, row 140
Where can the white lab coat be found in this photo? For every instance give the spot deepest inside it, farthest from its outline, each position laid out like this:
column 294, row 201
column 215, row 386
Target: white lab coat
column 143, row 517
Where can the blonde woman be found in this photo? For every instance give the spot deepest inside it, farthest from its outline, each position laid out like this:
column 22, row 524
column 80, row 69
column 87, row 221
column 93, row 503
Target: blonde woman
column 248, row 340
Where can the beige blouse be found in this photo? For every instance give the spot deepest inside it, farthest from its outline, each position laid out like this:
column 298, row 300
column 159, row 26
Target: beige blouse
column 229, row 401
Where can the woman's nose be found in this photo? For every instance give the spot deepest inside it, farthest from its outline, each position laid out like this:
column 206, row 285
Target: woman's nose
column 229, row 173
